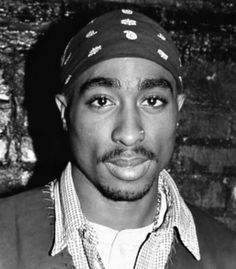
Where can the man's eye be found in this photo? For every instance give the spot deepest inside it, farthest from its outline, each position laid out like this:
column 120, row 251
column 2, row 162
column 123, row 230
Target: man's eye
column 100, row 102
column 153, row 101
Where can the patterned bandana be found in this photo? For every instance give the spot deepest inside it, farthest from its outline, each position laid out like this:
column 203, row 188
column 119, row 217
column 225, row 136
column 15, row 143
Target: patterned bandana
column 120, row 33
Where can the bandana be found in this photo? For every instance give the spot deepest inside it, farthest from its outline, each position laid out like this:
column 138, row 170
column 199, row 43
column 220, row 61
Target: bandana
column 120, row 33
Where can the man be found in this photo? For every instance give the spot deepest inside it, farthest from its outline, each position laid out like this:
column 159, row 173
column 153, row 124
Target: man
column 115, row 205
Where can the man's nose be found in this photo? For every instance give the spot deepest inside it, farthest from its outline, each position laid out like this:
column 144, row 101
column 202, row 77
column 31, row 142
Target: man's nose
column 128, row 129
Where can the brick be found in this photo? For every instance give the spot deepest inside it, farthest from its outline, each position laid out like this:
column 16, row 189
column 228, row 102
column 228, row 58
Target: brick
column 10, row 180
column 5, row 117
column 202, row 190
column 203, row 159
column 27, row 150
column 25, row 176
column 212, row 85
column 32, row 11
column 3, row 150
column 208, row 124
column 4, row 89
column 231, row 205
column 19, row 77
column 233, row 128
column 13, row 152
column 229, row 220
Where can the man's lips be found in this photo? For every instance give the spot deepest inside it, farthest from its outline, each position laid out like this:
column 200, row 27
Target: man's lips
column 128, row 169
column 127, row 162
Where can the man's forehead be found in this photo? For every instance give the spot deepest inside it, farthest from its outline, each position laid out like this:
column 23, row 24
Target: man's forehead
column 129, row 70
column 125, row 73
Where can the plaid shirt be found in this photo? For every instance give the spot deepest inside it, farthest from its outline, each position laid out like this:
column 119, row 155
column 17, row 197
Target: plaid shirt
column 72, row 229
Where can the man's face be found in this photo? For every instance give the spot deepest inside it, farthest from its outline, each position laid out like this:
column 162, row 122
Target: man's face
column 121, row 123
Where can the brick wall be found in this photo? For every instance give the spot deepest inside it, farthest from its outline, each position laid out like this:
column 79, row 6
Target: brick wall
column 32, row 144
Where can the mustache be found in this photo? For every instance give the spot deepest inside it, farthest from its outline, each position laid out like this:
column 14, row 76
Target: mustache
column 121, row 152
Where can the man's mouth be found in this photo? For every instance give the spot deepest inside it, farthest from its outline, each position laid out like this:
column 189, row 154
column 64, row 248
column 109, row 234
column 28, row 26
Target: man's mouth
column 128, row 169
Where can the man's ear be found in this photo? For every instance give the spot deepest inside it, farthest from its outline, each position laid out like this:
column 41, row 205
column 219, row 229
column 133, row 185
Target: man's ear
column 180, row 100
column 62, row 104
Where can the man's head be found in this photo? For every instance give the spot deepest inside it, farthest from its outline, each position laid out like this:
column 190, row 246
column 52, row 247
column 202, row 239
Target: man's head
column 122, row 84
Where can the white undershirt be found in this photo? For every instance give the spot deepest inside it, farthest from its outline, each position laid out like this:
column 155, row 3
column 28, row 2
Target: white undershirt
column 118, row 249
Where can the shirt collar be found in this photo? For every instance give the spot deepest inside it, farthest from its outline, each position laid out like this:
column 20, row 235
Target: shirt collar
column 68, row 213
column 69, row 216
column 180, row 215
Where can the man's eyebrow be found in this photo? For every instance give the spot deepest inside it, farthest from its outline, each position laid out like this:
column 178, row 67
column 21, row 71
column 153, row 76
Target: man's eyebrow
column 148, row 84
column 99, row 82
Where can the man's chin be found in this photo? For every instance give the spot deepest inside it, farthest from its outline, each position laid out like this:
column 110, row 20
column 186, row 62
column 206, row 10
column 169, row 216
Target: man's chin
column 116, row 194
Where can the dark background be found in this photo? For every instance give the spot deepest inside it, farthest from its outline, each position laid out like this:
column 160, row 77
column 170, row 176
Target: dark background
column 32, row 143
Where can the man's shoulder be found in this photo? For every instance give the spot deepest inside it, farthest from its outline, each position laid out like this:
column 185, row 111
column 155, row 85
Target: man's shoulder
column 21, row 202
column 23, row 209
column 205, row 222
column 22, row 195
column 217, row 245
column 215, row 239
column 25, row 229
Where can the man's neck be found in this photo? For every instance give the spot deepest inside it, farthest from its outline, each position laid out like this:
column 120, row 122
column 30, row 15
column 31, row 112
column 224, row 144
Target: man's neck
column 118, row 215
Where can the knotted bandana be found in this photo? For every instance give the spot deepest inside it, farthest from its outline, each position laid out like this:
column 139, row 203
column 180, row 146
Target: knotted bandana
column 120, row 33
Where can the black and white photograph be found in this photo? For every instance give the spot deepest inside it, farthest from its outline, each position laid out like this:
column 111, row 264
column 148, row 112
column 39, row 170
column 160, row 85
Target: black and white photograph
column 117, row 134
